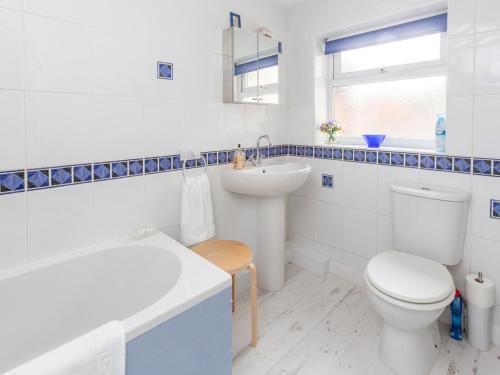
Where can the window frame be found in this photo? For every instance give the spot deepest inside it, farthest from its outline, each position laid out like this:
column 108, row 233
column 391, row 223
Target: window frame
column 423, row 69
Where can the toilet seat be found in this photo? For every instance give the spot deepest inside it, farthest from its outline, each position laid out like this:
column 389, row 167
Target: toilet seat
column 409, row 278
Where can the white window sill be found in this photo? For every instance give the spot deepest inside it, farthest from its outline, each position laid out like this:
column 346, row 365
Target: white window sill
column 384, row 148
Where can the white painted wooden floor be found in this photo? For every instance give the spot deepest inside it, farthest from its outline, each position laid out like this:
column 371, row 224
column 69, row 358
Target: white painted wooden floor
column 326, row 326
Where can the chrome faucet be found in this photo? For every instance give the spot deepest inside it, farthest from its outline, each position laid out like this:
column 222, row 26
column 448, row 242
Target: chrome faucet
column 257, row 160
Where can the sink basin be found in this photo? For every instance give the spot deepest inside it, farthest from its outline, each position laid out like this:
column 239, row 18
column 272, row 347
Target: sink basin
column 266, row 181
column 270, row 184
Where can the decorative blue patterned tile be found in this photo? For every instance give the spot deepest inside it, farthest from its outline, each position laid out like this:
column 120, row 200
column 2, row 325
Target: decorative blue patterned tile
column 360, row 156
column 165, row 163
column 327, row 181
column 82, row 173
column 135, row 167
column 411, row 160
column 201, row 161
column 318, row 152
column 249, row 153
column 277, row 151
column 495, row 209
column 301, row 151
column 272, row 151
column 461, row 165
column 496, row 167
column 327, row 153
column 61, row 176
column 428, row 161
column 38, row 178
column 12, row 182
column 292, row 150
column 230, row 156
column 176, row 162
column 444, row 163
column 348, row 155
column 222, row 157
column 284, row 150
column 119, row 169
column 371, row 156
column 212, row 157
column 337, row 154
column 397, row 159
column 384, row 158
column 151, row 165
column 101, row 171
column 191, row 163
column 482, row 166
column 164, row 70
column 264, row 152
column 309, row 151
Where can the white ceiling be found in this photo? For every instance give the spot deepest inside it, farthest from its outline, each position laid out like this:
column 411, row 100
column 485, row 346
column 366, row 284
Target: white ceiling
column 289, row 4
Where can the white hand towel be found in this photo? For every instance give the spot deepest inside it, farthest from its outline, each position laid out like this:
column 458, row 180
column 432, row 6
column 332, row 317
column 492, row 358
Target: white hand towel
column 197, row 216
column 99, row 352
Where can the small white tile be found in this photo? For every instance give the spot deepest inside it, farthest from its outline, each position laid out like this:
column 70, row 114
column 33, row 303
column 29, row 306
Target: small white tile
column 483, row 190
column 487, row 12
column 487, row 76
column 486, row 130
column 13, row 230
column 459, row 120
column 460, row 80
column 384, row 234
column 59, row 220
column 460, row 17
column 202, row 126
column 276, row 123
column 117, row 129
column 231, row 125
column 58, row 55
column 354, row 261
column 11, row 40
column 388, row 175
column 12, row 133
column 255, row 124
column 485, row 258
column 163, row 126
column 205, row 76
column 58, row 129
column 328, row 224
column 78, row 11
column 354, row 223
column 163, row 196
column 301, row 216
column 335, row 254
column 360, row 186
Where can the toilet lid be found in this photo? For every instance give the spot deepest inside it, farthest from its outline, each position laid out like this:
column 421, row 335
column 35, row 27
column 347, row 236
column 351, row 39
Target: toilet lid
column 409, row 278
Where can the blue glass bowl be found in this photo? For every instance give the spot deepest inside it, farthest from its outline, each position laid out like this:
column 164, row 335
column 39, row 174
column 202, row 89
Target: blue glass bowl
column 373, row 140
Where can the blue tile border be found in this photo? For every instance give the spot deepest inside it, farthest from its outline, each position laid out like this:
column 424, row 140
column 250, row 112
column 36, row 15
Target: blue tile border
column 495, row 209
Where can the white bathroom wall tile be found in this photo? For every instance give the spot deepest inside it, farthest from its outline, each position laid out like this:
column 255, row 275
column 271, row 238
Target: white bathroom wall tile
column 117, row 128
column 255, row 124
column 384, row 234
column 231, row 125
column 486, row 129
column 460, row 66
column 487, row 12
column 163, row 126
column 354, row 261
column 328, row 224
column 58, row 129
column 487, row 77
column 11, row 40
column 460, row 18
column 13, row 230
column 58, row 55
column 12, row 133
column 118, row 14
column 357, row 222
column 276, row 123
column 78, row 11
column 459, row 120
column 202, row 126
column 59, row 220
column 12, row 4
column 484, row 189
column 485, row 258
column 163, row 197
column 301, row 216
column 360, row 186
column 386, row 176
column 333, row 253
column 204, row 76
column 119, row 207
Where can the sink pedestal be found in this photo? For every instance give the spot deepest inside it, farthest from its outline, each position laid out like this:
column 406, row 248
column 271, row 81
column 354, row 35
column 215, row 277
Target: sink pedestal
column 271, row 241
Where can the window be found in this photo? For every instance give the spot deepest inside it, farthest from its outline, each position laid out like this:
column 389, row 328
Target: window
column 267, row 92
column 390, row 81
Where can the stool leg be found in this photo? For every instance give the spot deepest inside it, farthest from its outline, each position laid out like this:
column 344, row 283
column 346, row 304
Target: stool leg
column 234, row 292
column 253, row 287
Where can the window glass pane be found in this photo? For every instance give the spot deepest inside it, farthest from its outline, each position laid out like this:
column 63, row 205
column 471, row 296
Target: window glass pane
column 268, row 76
column 400, row 109
column 251, row 79
column 424, row 48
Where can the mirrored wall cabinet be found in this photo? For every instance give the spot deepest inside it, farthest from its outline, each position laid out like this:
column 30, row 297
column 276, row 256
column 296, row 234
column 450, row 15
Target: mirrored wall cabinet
column 251, row 67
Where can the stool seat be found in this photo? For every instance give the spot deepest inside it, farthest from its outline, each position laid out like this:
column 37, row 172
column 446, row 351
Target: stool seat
column 231, row 256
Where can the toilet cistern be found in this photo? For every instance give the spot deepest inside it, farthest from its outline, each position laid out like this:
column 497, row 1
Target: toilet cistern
column 257, row 160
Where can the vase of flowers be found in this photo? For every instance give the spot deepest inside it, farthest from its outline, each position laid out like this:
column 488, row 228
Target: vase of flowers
column 330, row 128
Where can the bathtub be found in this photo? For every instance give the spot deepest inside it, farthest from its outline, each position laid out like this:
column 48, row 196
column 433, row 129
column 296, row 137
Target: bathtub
column 144, row 284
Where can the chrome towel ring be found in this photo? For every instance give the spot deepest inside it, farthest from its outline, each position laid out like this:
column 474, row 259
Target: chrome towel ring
column 200, row 156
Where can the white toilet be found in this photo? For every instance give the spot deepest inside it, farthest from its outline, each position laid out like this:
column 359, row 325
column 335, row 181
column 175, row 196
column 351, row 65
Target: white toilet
column 410, row 288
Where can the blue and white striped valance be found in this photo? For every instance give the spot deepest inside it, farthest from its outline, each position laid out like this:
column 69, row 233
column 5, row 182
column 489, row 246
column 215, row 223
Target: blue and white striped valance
column 413, row 29
column 254, row 65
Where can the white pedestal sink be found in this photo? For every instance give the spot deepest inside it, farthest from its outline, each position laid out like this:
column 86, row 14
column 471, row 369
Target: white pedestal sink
column 270, row 183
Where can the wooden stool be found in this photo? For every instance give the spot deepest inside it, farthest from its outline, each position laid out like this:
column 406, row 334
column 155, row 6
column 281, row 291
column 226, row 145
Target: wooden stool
column 232, row 257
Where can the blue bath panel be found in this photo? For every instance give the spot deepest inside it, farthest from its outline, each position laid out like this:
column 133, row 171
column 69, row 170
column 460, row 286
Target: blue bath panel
column 197, row 341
